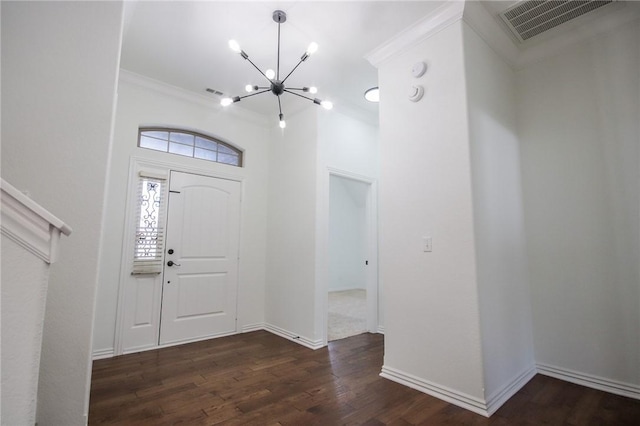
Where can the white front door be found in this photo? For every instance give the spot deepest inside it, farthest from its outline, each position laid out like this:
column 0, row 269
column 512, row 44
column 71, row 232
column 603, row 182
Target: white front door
column 201, row 260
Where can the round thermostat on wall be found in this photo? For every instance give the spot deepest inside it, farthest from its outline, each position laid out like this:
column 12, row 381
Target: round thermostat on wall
column 418, row 69
column 415, row 93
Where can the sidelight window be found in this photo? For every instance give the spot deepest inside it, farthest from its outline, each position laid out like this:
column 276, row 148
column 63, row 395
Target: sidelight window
column 149, row 237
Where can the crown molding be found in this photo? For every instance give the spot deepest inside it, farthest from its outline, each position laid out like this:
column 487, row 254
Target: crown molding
column 487, row 27
column 492, row 30
column 428, row 26
column 581, row 29
column 209, row 102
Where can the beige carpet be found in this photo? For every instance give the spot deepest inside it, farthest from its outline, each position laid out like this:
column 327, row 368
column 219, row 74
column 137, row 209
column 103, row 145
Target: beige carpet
column 347, row 313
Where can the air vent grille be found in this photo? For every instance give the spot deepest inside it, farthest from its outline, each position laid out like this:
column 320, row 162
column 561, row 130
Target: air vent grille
column 214, row 91
column 530, row 18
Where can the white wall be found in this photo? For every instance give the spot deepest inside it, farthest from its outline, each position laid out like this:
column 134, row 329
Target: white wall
column 432, row 333
column 579, row 115
column 505, row 307
column 348, row 146
column 24, row 293
column 278, row 279
column 57, row 106
column 347, row 234
column 314, row 141
column 144, row 102
column 291, row 237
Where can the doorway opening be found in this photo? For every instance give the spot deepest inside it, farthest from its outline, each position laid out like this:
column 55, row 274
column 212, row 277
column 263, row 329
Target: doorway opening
column 349, row 251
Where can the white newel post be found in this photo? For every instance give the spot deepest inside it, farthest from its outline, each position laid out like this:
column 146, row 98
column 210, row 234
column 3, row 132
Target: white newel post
column 30, row 237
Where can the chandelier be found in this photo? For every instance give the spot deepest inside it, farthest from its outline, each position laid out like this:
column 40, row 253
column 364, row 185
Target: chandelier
column 276, row 85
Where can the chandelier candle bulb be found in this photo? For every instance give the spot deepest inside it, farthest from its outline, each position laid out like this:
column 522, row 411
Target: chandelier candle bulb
column 233, row 45
column 276, row 83
column 228, row 101
column 313, row 48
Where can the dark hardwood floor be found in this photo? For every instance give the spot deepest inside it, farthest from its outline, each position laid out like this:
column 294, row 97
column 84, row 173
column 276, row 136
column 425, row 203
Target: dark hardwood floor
column 262, row 379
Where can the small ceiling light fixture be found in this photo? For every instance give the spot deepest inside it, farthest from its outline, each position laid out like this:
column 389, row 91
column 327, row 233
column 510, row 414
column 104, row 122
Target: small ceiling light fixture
column 372, row 95
column 276, row 85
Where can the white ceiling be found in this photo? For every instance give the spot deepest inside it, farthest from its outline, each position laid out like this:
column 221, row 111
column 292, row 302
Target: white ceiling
column 185, row 44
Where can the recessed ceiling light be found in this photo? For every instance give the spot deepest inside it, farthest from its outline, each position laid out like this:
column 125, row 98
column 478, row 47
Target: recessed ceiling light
column 372, row 95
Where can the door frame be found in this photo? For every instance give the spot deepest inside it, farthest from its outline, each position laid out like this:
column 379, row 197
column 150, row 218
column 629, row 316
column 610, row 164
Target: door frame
column 137, row 164
column 322, row 253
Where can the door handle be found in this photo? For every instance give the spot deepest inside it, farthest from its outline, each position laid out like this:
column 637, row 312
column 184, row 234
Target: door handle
column 172, row 263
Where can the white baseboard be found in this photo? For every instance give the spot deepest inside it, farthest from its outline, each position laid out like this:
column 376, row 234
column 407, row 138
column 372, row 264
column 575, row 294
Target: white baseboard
column 381, row 329
column 102, row 354
column 304, row 341
column 502, row 395
column 460, row 399
column 333, row 290
column 248, row 328
column 137, row 349
column 591, row 381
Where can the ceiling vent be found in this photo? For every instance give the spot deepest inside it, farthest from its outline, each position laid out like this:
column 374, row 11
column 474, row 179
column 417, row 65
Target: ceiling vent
column 527, row 19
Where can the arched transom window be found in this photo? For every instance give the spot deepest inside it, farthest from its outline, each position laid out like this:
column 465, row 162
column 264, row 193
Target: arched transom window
column 189, row 144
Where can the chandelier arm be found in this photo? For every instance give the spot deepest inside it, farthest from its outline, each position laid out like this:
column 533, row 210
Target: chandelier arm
column 297, row 88
column 256, row 67
column 294, row 68
column 254, row 94
column 279, row 105
column 298, row 94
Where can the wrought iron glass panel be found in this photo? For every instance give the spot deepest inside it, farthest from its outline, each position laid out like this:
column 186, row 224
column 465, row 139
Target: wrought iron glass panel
column 149, row 243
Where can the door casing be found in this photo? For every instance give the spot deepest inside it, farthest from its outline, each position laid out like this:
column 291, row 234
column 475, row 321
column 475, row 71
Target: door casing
column 322, row 259
column 137, row 164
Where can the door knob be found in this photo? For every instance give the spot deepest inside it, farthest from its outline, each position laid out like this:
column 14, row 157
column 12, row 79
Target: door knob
column 171, row 263
column 170, row 251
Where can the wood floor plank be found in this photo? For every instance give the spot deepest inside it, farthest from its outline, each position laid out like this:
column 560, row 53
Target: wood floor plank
column 261, row 379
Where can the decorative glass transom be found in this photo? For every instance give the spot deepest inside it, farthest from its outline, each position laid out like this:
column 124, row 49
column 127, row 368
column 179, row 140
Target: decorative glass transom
column 189, row 144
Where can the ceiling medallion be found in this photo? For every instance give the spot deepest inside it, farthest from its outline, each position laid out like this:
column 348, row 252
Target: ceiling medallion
column 276, row 85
